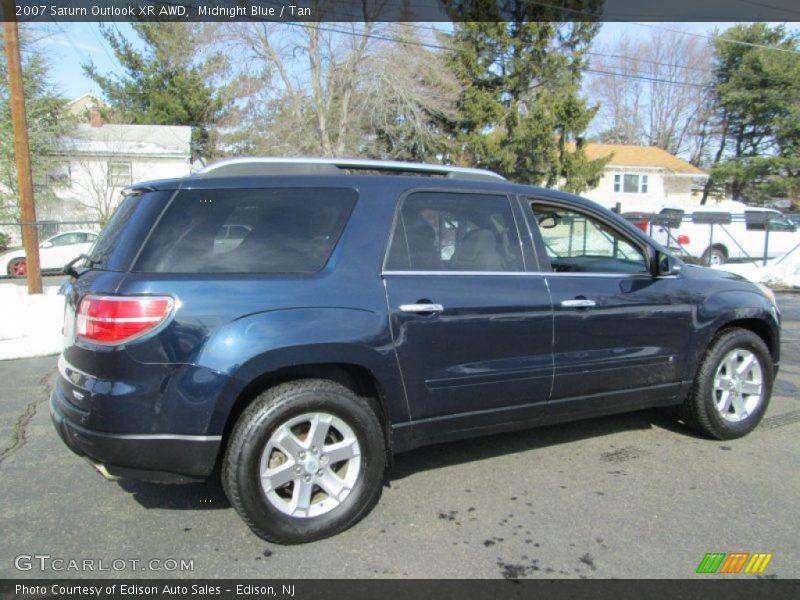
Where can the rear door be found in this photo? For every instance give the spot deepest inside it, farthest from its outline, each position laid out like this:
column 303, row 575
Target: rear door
column 619, row 332
column 472, row 327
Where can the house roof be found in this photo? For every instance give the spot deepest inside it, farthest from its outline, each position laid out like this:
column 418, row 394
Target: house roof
column 142, row 140
column 630, row 155
column 84, row 102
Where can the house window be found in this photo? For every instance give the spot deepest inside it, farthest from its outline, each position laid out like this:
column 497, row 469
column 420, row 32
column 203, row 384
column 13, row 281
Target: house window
column 60, row 176
column 630, row 183
column 119, row 174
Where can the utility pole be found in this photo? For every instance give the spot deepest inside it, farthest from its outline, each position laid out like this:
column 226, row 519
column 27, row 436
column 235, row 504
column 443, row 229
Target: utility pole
column 27, row 210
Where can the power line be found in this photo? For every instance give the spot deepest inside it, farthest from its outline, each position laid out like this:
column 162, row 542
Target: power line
column 718, row 38
column 678, row 31
column 451, row 49
column 435, row 46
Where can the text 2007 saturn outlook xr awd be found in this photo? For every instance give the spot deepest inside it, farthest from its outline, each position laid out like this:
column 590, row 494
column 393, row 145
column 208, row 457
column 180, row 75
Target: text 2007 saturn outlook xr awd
column 297, row 322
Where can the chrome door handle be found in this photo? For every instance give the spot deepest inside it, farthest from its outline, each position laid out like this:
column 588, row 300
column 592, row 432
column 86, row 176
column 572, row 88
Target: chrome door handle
column 578, row 303
column 422, row 308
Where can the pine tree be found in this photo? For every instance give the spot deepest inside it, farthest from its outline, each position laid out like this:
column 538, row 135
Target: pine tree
column 46, row 121
column 173, row 81
column 757, row 90
column 520, row 65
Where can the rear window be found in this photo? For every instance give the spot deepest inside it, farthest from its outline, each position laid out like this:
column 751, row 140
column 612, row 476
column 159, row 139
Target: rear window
column 248, row 231
column 123, row 222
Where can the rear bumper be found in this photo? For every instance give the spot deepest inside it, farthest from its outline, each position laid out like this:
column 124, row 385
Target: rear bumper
column 155, row 457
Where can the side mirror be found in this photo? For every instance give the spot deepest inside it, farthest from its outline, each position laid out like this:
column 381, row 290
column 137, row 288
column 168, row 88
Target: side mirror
column 46, row 245
column 667, row 264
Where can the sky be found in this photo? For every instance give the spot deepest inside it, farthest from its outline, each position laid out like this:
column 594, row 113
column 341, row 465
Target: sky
column 71, row 45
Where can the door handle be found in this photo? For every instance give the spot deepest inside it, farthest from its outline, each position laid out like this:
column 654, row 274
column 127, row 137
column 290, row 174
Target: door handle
column 578, row 303
column 422, row 308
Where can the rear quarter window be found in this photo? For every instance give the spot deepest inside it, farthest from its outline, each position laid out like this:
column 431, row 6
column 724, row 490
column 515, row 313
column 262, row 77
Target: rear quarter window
column 248, row 231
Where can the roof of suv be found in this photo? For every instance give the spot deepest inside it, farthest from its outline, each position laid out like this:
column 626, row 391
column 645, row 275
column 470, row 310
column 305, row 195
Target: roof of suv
column 335, row 166
column 256, row 171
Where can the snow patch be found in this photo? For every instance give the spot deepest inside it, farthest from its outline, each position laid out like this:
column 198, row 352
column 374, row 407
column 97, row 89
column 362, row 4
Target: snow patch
column 30, row 325
column 782, row 272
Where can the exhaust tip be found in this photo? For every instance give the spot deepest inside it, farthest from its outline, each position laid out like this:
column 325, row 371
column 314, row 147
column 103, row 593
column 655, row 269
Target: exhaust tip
column 100, row 468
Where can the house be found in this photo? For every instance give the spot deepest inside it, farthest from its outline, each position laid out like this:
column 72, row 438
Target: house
column 644, row 178
column 98, row 160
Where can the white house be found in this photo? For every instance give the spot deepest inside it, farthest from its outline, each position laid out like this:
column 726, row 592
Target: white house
column 644, row 178
column 98, row 160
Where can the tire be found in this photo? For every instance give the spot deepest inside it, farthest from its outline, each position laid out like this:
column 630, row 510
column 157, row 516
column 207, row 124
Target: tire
column 274, row 435
column 714, row 256
column 17, row 268
column 712, row 412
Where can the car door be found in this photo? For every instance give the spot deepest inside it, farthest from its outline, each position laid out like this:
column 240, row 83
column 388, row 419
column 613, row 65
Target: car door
column 52, row 251
column 472, row 328
column 620, row 332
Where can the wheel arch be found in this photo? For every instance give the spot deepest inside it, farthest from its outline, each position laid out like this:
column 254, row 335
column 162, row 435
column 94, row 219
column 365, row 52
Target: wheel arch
column 761, row 328
column 746, row 309
column 358, row 378
column 716, row 246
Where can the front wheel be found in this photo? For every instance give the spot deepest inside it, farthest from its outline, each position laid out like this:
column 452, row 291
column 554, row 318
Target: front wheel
column 733, row 386
column 305, row 461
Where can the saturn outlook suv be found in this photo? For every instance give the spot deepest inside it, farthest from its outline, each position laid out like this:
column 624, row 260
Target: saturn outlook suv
column 291, row 324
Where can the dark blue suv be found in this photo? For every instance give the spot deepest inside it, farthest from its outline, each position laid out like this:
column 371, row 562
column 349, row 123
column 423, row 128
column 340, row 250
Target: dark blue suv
column 296, row 322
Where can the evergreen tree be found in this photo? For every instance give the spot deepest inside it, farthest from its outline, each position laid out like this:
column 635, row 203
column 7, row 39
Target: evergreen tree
column 174, row 80
column 757, row 90
column 47, row 124
column 520, row 65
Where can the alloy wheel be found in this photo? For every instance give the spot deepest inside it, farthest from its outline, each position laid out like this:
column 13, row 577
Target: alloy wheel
column 310, row 464
column 738, row 385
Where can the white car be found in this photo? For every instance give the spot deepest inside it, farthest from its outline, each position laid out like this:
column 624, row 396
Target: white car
column 742, row 237
column 54, row 252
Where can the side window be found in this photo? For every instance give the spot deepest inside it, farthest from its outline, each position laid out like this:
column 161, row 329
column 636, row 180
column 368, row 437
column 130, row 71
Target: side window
column 119, row 174
column 778, row 222
column 67, row 239
column 437, row 231
column 579, row 243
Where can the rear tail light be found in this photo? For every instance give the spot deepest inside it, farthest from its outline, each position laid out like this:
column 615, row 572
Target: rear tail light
column 644, row 225
column 683, row 240
column 118, row 319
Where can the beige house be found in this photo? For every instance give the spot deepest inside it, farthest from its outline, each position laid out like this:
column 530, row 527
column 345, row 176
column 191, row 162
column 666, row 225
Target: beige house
column 644, row 178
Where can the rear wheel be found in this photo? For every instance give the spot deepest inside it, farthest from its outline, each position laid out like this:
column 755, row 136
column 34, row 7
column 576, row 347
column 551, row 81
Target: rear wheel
column 305, row 461
column 18, row 268
column 714, row 256
column 733, row 386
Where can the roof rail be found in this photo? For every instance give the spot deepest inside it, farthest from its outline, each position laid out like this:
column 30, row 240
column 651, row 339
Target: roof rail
column 258, row 165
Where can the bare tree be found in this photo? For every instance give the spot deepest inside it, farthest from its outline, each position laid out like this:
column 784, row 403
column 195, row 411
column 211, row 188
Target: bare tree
column 654, row 91
column 99, row 193
column 338, row 89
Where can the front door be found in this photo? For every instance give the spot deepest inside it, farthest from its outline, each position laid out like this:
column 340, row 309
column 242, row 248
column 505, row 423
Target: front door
column 473, row 329
column 620, row 333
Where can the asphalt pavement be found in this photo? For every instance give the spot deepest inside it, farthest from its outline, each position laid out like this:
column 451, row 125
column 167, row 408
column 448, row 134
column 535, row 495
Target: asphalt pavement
column 626, row 496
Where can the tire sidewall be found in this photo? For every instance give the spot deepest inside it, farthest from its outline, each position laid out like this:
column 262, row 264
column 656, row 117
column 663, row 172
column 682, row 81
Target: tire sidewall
column 746, row 341
column 265, row 420
column 710, row 252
